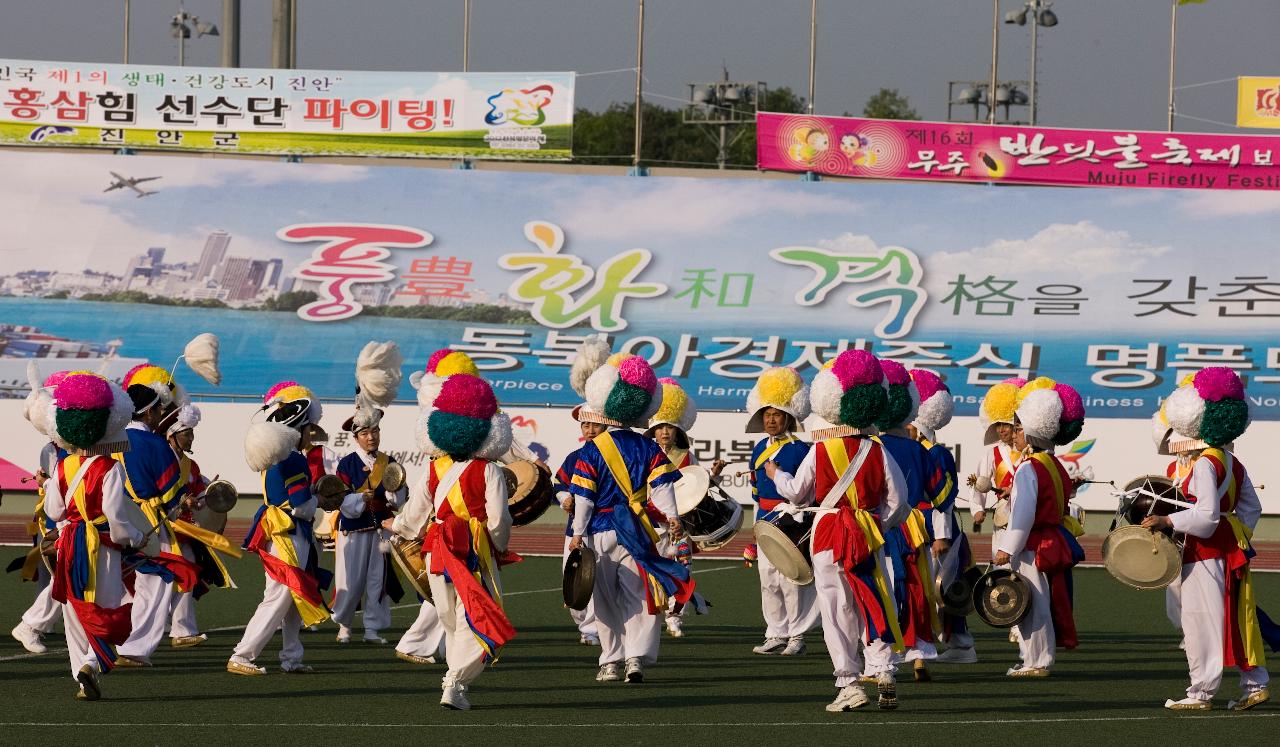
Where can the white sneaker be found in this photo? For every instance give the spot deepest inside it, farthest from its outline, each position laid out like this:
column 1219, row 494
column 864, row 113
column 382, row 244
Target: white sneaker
column 635, row 671
column 673, row 627
column 887, row 691
column 454, row 695
column 589, row 639
column 795, row 646
column 958, row 656
column 29, row 637
column 610, row 672
column 771, row 646
column 849, row 698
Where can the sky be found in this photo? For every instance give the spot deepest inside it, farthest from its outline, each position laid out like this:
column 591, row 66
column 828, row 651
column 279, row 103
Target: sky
column 1105, row 65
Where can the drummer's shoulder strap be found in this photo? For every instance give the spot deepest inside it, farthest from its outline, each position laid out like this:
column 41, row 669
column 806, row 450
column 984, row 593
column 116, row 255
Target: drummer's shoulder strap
column 1224, row 467
column 848, row 470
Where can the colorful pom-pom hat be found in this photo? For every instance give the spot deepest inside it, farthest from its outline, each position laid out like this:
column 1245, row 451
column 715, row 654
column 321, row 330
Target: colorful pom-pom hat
column 87, row 415
column 850, row 390
column 35, row 408
column 620, row 386
column 903, row 397
column 1209, row 408
column 998, row 407
column 149, row 386
column 1050, row 413
column 464, row 421
column 677, row 409
column 442, row 364
column 782, row 389
column 936, row 404
column 292, row 404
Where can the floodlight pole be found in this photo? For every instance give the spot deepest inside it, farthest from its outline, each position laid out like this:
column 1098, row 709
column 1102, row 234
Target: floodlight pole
column 813, row 49
column 635, row 159
column 995, row 61
column 466, row 36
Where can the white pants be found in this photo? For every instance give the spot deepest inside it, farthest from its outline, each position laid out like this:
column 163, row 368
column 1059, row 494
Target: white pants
column 626, row 628
column 276, row 611
column 1173, row 603
column 425, row 637
column 462, row 651
column 1037, row 639
column 360, row 573
column 182, row 624
column 789, row 610
column 152, row 598
column 1203, row 591
column 109, row 592
column 584, row 619
column 841, row 621
column 44, row 612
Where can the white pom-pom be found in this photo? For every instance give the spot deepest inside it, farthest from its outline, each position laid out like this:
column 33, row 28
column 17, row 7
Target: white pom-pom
column 378, row 373
column 1185, row 411
column 121, row 413
column 428, row 389
column 267, row 444
column 597, row 388
column 937, row 411
column 799, row 404
column 201, row 355
column 1160, row 433
column 824, row 396
column 498, row 441
column 1040, row 414
column 422, row 436
column 591, row 356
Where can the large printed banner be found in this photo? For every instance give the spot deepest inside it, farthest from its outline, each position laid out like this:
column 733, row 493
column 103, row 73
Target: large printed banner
column 296, row 266
column 1257, row 102
column 295, row 112
column 967, row 152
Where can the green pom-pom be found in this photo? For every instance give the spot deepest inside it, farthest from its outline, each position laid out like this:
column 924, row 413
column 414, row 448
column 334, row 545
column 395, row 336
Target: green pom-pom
column 862, row 405
column 1068, row 432
column 457, row 435
column 897, row 409
column 627, row 403
column 1224, row 421
column 82, row 428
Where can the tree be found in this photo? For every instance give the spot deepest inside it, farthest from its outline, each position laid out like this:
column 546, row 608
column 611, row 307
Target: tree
column 887, row 103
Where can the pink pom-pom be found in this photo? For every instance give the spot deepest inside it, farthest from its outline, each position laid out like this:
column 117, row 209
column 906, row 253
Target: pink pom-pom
column 435, row 358
column 1217, row 383
column 895, row 373
column 464, row 394
column 854, row 367
column 55, row 378
column 928, row 383
column 1017, row 381
column 270, row 392
column 637, row 372
column 83, row 392
column 668, row 380
column 1072, row 405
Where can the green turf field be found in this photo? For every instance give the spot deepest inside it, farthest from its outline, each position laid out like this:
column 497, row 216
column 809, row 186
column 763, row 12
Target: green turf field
column 707, row 688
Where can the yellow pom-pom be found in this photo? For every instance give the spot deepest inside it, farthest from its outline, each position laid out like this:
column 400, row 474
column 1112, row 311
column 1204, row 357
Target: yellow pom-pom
column 291, row 393
column 674, row 401
column 1040, row 382
column 150, row 375
column 616, row 359
column 456, row 362
column 1188, row 379
column 778, row 385
column 1000, row 403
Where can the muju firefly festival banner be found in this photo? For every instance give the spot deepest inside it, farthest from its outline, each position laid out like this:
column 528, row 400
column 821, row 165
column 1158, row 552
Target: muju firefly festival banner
column 1008, row 154
column 295, row 112
column 296, row 266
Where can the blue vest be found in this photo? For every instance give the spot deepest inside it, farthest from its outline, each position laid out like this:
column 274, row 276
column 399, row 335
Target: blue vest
column 353, row 472
column 788, row 459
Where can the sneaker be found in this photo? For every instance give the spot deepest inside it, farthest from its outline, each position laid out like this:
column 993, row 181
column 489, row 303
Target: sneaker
column 297, row 669
column 1013, row 636
column 1257, row 697
column 1021, row 671
column 673, row 627
column 1188, row 704
column 88, row 679
column 29, row 637
column 609, row 672
column 375, row 638
column 771, row 646
column 187, row 641
column 795, row 646
column 128, row 662
column 635, row 671
column 454, row 695
column 958, row 656
column 245, row 668
column 887, row 690
column 343, row 637
column 402, row 656
column 849, row 698
column 922, row 671
column 589, row 639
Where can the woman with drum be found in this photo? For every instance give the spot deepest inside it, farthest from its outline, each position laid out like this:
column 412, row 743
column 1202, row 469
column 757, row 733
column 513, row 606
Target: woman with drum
column 1037, row 542
column 1220, row 622
column 779, row 403
column 860, row 496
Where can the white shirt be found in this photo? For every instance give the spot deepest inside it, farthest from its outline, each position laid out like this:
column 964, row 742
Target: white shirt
column 114, row 504
column 421, row 507
column 798, row 489
column 353, row 505
column 1022, row 509
column 1202, row 520
column 987, row 468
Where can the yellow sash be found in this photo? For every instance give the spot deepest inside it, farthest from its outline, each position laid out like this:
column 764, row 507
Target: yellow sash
column 375, row 472
column 1050, row 465
column 618, row 468
column 945, row 490
column 677, row 456
column 92, row 541
column 277, row 523
column 479, row 531
column 153, row 508
column 839, row 457
column 771, row 449
column 1246, row 604
column 1002, row 469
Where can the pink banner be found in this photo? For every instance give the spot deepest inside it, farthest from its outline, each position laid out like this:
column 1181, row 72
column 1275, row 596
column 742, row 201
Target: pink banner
column 964, row 152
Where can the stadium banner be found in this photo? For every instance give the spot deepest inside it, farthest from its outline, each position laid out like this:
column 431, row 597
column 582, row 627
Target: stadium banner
column 296, row 266
column 1257, row 102
column 969, row 152
column 521, row 116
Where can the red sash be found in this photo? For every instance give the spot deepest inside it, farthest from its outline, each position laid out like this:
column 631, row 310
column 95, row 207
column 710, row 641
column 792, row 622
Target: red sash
column 1049, row 543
